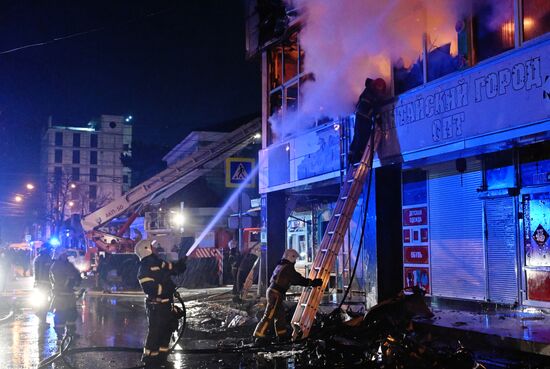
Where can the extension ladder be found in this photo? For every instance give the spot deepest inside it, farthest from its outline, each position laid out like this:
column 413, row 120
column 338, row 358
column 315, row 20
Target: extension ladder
column 303, row 317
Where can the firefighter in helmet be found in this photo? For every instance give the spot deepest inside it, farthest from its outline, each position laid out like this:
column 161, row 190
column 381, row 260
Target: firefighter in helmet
column 282, row 278
column 154, row 276
column 366, row 111
column 64, row 277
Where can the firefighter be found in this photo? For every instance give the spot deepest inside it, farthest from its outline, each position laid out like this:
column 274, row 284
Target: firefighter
column 282, row 278
column 245, row 266
column 234, row 259
column 64, row 277
column 41, row 265
column 154, row 277
column 365, row 113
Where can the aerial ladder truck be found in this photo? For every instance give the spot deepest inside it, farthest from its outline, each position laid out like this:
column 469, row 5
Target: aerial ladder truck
column 159, row 187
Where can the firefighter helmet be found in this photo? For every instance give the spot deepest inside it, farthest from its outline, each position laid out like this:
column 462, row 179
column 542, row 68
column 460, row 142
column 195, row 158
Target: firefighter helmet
column 376, row 86
column 291, row 255
column 143, row 249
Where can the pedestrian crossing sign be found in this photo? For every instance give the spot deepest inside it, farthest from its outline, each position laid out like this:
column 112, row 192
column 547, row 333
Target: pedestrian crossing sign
column 237, row 171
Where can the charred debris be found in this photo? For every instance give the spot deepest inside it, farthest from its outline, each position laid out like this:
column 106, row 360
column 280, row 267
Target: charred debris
column 384, row 337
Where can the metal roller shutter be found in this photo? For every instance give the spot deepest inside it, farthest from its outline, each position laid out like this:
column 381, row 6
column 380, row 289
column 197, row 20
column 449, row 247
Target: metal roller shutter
column 501, row 250
column 456, row 232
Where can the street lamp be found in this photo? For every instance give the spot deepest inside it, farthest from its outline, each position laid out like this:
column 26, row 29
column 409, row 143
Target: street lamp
column 18, row 198
column 72, row 185
column 71, row 204
column 29, row 186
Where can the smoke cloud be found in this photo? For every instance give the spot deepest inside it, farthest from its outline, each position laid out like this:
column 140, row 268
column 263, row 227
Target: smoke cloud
column 346, row 41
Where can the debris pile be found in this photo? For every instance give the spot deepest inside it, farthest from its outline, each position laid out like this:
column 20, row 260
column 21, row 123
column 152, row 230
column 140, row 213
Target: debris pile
column 215, row 318
column 383, row 338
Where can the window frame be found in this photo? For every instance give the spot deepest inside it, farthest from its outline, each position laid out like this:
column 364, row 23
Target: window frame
column 76, row 139
column 58, row 156
column 58, row 139
column 93, row 157
column 76, row 156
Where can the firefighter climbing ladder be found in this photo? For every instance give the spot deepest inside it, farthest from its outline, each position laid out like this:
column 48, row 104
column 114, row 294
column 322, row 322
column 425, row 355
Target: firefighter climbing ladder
column 303, row 317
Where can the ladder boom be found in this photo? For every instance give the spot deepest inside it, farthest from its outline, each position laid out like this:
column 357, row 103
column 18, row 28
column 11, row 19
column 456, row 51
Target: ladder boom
column 180, row 174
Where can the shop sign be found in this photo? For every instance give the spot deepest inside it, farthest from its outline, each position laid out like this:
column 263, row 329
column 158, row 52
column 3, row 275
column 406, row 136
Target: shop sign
column 510, row 92
column 415, row 216
column 538, row 285
column 416, row 255
column 417, row 276
column 406, row 236
column 424, row 235
column 536, row 221
column 540, row 236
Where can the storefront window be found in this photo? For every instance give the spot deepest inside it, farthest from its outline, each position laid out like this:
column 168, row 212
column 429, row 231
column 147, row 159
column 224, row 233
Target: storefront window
column 499, row 171
column 535, row 165
column 536, row 18
column 494, row 29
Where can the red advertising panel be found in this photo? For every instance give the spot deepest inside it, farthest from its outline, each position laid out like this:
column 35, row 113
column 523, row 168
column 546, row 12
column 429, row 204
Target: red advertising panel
column 406, row 235
column 538, row 285
column 416, row 255
column 424, row 235
column 415, row 216
column 417, row 276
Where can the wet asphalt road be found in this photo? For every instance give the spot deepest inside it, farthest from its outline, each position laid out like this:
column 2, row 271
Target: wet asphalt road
column 104, row 321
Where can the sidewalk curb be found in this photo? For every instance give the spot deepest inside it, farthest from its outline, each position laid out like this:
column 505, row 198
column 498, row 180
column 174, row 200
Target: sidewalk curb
column 487, row 340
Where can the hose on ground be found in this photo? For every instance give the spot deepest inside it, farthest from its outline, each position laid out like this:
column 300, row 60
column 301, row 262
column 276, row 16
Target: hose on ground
column 65, row 349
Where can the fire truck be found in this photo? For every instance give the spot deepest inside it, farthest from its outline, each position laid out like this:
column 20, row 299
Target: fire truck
column 117, row 251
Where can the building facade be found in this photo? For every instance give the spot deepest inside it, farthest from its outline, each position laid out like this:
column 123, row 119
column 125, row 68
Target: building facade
column 82, row 167
column 459, row 200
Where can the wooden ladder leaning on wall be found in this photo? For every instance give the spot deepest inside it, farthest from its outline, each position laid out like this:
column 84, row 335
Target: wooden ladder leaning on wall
column 304, row 316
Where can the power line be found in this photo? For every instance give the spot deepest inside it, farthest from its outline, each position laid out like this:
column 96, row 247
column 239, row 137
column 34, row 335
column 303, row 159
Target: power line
column 82, row 33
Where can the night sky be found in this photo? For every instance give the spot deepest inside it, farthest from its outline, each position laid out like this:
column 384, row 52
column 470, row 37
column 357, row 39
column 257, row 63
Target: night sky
column 174, row 66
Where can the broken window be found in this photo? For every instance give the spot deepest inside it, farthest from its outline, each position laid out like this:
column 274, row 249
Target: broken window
column 536, row 18
column 493, row 29
column 285, row 77
column 408, row 69
column 292, row 97
column 290, row 58
column 276, row 68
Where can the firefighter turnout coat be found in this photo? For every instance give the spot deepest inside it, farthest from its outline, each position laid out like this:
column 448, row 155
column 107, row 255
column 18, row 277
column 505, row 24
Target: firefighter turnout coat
column 154, row 277
column 282, row 278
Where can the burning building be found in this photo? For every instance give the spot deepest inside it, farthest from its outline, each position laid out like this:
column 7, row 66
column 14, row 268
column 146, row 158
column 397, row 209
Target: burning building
column 461, row 187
